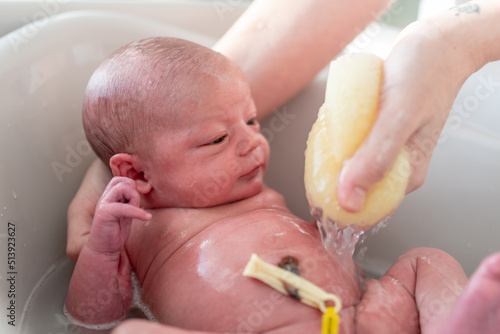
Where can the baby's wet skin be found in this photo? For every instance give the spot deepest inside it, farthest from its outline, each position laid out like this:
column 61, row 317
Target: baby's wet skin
column 195, row 259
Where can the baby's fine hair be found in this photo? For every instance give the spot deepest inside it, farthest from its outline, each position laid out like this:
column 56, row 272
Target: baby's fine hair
column 138, row 84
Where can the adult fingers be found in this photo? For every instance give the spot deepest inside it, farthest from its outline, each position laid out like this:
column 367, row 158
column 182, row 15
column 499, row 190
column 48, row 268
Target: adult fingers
column 421, row 145
column 375, row 156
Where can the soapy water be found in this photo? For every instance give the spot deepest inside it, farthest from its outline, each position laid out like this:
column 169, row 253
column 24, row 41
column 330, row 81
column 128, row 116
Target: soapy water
column 44, row 311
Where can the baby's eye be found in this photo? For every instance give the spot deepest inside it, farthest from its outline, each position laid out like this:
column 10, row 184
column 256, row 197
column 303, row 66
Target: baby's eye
column 218, row 140
column 252, row 122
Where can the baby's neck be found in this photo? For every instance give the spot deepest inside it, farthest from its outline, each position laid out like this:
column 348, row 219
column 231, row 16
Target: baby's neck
column 151, row 202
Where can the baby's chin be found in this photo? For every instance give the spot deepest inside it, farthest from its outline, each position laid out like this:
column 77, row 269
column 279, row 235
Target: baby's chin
column 254, row 189
column 242, row 191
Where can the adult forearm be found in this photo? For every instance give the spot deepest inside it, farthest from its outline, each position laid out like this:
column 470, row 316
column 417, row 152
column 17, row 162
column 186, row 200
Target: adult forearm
column 473, row 29
column 281, row 45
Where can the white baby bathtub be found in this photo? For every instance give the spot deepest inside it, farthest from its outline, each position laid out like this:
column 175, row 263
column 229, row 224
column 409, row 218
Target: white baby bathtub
column 44, row 68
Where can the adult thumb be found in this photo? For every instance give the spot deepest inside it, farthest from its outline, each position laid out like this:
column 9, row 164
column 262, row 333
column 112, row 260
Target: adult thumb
column 370, row 163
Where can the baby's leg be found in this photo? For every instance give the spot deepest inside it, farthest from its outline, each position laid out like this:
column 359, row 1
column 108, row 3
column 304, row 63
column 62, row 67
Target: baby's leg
column 420, row 289
column 478, row 309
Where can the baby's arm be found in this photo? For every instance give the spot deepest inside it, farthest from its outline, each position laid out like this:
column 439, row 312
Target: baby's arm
column 100, row 289
column 82, row 207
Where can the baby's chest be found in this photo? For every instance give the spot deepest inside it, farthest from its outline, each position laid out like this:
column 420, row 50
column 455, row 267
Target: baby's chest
column 209, row 268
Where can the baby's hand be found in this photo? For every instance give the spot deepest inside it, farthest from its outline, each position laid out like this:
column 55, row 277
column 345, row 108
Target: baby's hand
column 118, row 205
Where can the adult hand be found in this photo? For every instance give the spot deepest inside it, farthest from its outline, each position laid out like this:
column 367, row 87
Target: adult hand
column 422, row 76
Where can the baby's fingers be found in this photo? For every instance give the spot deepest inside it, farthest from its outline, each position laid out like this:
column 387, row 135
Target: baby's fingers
column 121, row 189
column 126, row 210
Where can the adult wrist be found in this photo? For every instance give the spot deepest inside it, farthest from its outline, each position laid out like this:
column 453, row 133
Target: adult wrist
column 473, row 30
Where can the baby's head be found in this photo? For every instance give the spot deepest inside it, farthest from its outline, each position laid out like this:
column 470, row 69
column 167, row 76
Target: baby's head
column 179, row 119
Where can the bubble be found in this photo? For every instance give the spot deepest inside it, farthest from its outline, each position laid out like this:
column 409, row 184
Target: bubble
column 73, row 321
column 137, row 300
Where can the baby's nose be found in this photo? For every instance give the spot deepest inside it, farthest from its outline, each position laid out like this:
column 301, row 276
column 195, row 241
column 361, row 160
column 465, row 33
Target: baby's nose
column 248, row 144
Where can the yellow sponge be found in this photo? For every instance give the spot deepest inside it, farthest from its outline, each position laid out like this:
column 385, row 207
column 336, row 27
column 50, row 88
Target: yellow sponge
column 344, row 121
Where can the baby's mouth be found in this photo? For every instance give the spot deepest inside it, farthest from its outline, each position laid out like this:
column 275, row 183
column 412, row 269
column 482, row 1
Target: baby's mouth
column 252, row 173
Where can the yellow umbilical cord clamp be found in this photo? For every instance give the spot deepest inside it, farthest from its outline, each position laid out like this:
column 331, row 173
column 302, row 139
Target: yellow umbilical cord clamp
column 330, row 321
column 278, row 278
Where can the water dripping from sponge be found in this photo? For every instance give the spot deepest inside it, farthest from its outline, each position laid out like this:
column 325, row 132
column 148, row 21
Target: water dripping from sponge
column 343, row 241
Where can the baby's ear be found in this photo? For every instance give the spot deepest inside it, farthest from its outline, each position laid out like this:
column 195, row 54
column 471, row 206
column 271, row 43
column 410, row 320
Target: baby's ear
column 126, row 165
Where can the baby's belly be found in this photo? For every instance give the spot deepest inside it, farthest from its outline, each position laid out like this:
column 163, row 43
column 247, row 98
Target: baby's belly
column 201, row 285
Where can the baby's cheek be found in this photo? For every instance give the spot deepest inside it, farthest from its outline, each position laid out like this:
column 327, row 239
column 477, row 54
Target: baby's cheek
column 212, row 187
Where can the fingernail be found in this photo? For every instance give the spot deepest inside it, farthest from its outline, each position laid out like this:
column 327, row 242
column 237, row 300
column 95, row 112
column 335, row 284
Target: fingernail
column 355, row 199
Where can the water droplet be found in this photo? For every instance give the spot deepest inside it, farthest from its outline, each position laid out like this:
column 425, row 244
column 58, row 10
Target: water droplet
column 14, row 194
column 361, row 253
column 380, row 225
column 5, row 208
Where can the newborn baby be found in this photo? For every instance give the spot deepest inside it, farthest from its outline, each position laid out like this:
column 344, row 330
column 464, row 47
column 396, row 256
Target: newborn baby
column 187, row 207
